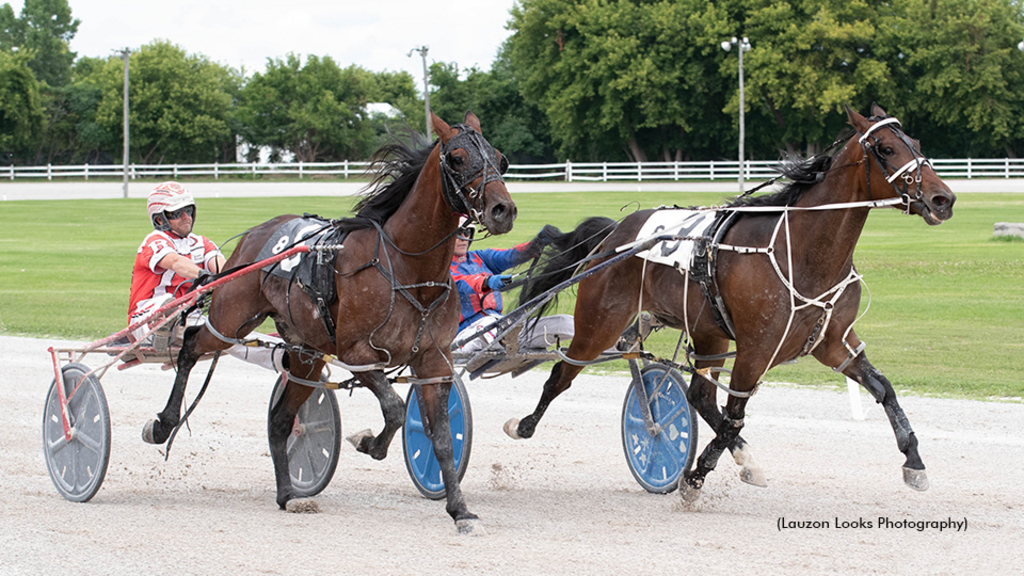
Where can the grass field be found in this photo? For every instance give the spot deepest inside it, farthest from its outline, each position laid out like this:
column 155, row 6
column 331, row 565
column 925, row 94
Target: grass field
column 946, row 316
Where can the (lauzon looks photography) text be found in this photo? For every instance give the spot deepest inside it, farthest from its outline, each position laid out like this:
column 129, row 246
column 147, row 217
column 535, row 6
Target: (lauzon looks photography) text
column 881, row 522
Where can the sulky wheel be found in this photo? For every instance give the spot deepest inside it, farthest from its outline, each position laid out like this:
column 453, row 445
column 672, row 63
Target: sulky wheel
column 419, row 449
column 315, row 442
column 657, row 461
column 77, row 464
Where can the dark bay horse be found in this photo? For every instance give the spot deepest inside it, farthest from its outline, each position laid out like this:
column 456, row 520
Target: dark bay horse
column 395, row 303
column 784, row 286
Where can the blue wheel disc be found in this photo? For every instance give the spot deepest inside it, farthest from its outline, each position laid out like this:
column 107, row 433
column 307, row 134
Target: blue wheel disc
column 657, row 462
column 419, row 450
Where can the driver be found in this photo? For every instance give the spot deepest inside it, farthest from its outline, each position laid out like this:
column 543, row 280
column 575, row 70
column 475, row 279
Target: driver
column 171, row 255
column 167, row 262
column 479, row 278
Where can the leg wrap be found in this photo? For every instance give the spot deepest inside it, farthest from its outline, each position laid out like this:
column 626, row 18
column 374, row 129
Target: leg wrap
column 900, row 425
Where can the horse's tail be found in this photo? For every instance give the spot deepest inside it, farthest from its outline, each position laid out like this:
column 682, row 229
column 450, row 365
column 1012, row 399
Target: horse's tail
column 562, row 255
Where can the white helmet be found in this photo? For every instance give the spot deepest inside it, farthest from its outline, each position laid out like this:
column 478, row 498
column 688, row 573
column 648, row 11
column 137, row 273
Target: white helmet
column 168, row 197
column 467, row 229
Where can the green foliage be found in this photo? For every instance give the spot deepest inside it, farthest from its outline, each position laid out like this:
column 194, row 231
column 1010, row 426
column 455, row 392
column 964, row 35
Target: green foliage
column 43, row 30
column 809, row 59
column 958, row 73
column 72, row 135
column 21, row 107
column 635, row 79
column 516, row 128
column 178, row 108
column 316, row 110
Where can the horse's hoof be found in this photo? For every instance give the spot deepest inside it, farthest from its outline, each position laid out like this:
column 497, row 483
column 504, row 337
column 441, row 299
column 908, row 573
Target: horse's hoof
column 302, row 506
column 916, row 479
column 470, row 527
column 147, row 432
column 688, row 493
column 751, row 472
column 359, row 437
column 754, row 476
column 512, row 429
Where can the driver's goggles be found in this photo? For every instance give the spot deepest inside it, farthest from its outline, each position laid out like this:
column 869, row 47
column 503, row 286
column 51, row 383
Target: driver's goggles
column 190, row 210
column 465, row 233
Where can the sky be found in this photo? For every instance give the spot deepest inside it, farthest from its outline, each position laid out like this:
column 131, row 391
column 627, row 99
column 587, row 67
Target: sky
column 374, row 34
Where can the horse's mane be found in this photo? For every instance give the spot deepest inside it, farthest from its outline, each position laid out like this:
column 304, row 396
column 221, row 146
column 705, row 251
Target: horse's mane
column 802, row 173
column 397, row 166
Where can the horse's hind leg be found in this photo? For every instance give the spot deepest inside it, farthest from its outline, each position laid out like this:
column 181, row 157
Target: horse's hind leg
column 727, row 432
column 702, row 396
column 282, row 419
column 192, row 348
column 879, row 386
column 562, row 375
column 391, row 406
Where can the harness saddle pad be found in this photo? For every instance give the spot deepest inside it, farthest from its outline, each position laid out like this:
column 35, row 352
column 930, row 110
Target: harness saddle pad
column 676, row 253
column 313, row 272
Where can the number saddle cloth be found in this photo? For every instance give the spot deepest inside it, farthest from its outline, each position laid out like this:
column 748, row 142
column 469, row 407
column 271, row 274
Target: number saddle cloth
column 313, row 271
column 693, row 251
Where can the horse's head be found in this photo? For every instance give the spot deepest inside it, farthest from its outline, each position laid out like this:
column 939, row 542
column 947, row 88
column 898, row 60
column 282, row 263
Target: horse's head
column 904, row 169
column 471, row 172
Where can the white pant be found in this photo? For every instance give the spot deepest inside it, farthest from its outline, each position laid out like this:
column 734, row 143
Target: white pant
column 544, row 333
column 269, row 358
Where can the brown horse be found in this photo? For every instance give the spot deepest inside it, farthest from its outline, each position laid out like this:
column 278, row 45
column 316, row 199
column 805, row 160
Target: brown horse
column 781, row 284
column 395, row 305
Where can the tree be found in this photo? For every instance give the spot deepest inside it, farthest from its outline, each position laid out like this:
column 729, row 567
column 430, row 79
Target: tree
column 519, row 130
column 44, row 29
column 317, row 111
column 627, row 79
column 21, row 109
column 71, row 134
column 809, row 59
column 958, row 74
column 178, row 108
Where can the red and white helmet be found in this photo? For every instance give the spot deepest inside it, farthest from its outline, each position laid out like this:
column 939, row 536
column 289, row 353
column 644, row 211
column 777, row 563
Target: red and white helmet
column 168, row 197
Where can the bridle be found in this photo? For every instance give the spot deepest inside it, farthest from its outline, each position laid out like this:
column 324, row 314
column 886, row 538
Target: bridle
column 910, row 172
column 482, row 163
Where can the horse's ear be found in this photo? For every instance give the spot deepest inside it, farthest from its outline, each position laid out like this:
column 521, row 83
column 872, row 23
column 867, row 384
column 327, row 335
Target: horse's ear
column 877, row 111
column 441, row 128
column 472, row 121
column 859, row 122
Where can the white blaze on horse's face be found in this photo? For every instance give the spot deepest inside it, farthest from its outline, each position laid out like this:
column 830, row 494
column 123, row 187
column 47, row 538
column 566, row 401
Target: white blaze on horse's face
column 471, row 171
column 906, row 171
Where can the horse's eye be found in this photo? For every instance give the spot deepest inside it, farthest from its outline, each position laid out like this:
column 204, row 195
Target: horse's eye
column 457, row 160
column 888, row 151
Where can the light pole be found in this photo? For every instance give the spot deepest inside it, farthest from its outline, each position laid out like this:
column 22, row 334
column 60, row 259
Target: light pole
column 744, row 45
column 426, row 86
column 124, row 54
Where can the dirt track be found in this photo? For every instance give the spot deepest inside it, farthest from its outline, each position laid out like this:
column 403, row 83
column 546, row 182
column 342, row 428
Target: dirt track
column 561, row 503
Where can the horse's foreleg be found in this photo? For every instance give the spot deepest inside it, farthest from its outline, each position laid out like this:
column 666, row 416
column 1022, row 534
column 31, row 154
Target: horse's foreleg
column 392, row 407
column 559, row 381
column 157, row 431
column 879, row 386
column 435, row 404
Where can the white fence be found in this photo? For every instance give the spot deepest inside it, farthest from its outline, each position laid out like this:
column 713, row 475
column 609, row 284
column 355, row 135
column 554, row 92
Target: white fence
column 565, row 171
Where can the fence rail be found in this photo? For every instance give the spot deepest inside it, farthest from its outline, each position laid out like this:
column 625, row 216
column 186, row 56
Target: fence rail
column 565, row 171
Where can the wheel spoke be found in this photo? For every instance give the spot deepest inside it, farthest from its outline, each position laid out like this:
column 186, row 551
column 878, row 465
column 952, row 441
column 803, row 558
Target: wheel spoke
column 57, row 445
column 318, row 426
column 88, row 441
